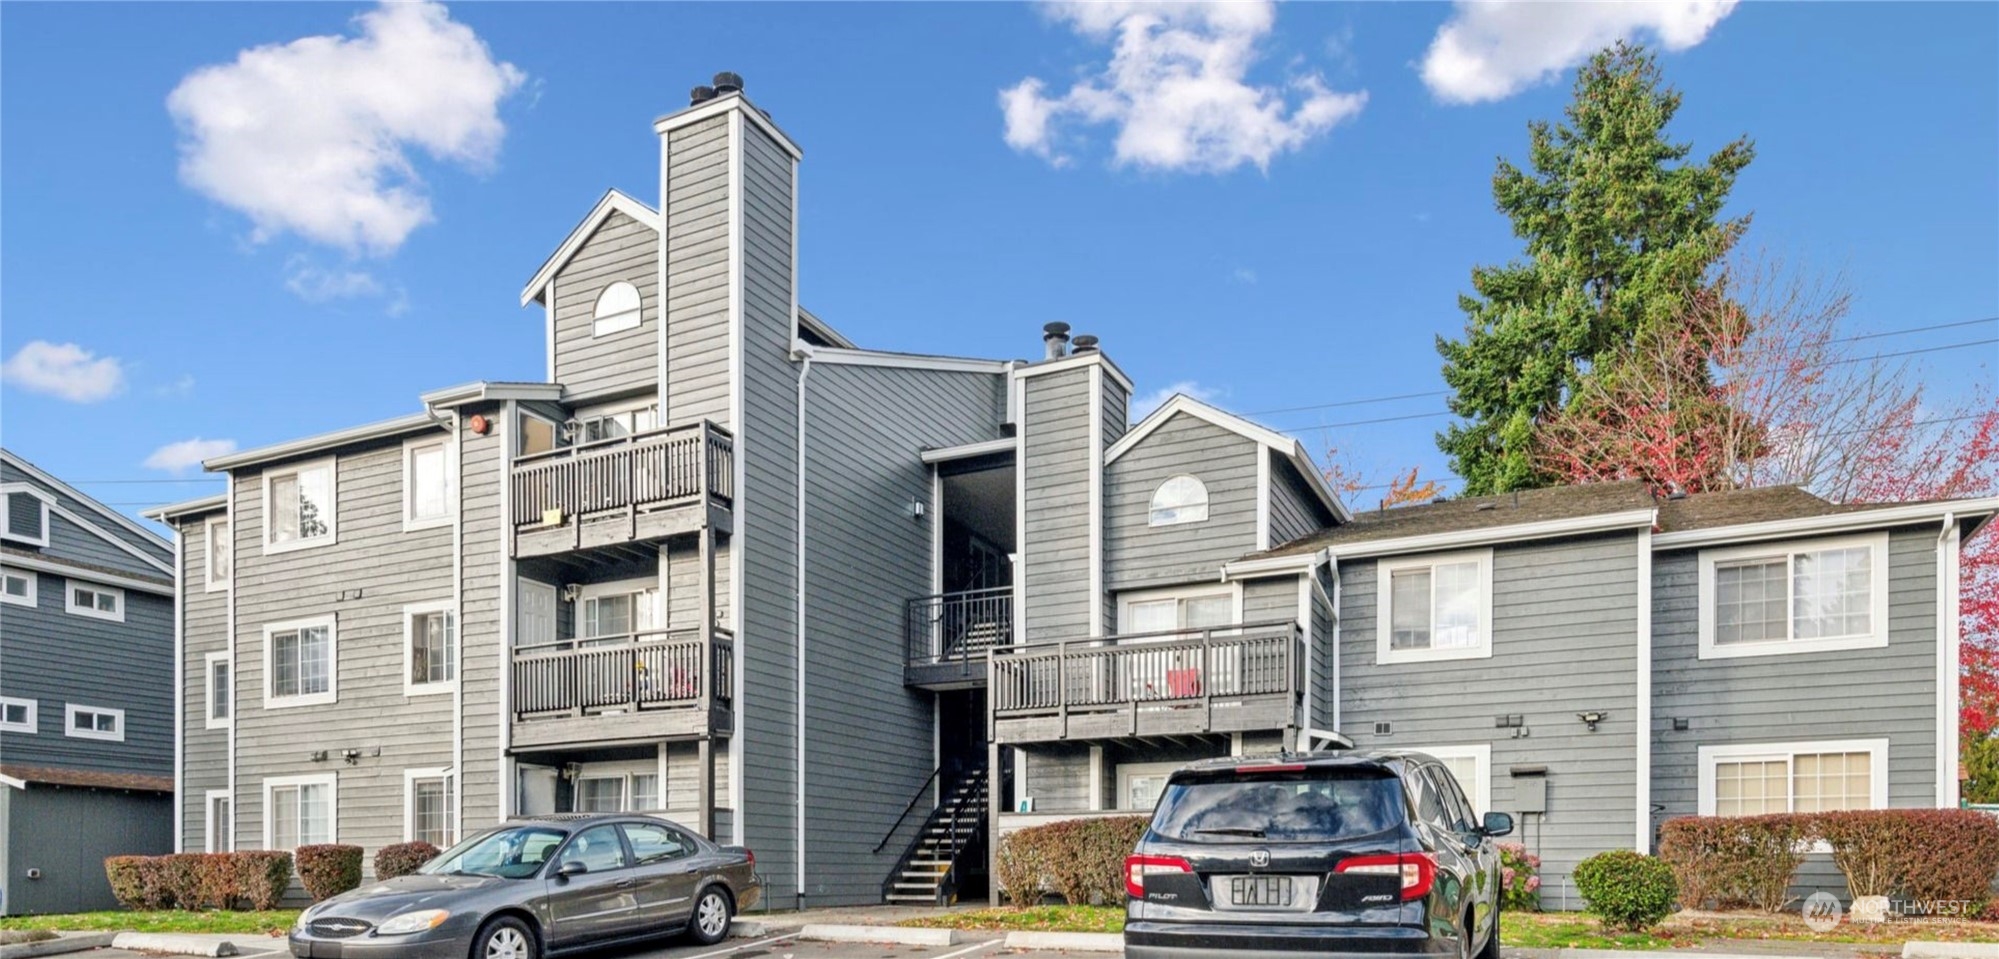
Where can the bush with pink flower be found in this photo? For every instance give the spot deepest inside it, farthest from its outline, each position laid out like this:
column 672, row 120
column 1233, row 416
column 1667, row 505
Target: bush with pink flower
column 1519, row 878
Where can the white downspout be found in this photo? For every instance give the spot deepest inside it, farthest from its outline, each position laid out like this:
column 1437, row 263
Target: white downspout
column 1949, row 626
column 803, row 354
column 180, row 690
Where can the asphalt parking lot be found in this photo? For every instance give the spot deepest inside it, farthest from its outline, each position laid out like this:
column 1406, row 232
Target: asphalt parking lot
column 778, row 946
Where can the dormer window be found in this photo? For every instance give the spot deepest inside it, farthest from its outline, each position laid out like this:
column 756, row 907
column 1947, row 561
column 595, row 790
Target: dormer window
column 617, row 309
column 1182, row 499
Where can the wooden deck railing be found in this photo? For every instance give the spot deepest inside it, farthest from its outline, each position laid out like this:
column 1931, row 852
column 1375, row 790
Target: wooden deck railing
column 681, row 464
column 1184, row 666
column 654, row 670
column 959, row 627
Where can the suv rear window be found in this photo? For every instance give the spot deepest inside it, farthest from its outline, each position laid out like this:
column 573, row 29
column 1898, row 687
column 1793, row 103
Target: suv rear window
column 1310, row 805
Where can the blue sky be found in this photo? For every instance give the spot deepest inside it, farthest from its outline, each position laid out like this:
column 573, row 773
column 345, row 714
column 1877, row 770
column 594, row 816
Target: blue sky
column 1304, row 251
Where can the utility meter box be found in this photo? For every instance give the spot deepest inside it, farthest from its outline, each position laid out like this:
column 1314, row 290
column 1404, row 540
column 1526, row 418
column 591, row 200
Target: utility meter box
column 1530, row 789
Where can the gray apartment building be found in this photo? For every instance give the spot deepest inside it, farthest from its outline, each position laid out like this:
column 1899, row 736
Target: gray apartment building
column 864, row 611
column 86, row 692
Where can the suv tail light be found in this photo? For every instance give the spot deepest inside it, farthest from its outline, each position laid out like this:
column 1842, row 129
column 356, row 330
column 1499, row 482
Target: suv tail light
column 747, row 851
column 1136, row 868
column 1418, row 870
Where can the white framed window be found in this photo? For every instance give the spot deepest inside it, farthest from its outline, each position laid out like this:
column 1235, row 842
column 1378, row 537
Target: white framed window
column 617, row 421
column 430, row 649
column 534, row 434
column 428, row 484
column 1188, row 608
column 1756, row 778
column 1471, row 765
column 619, row 787
column 614, row 610
column 27, row 515
column 97, row 602
column 221, row 554
column 93, row 722
column 299, row 811
column 18, row 715
column 1799, row 597
column 1139, row 784
column 221, row 700
column 617, row 310
column 1181, row 499
column 1434, row 607
column 427, row 807
column 18, row 587
column 301, row 663
column 300, row 506
column 217, row 821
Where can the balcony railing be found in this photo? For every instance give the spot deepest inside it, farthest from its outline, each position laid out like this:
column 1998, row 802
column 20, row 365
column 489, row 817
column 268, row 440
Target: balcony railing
column 677, row 466
column 948, row 635
column 1224, row 679
column 622, row 674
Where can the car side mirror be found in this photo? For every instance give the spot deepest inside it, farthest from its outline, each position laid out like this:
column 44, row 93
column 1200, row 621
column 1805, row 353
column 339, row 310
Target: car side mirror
column 1496, row 824
column 573, row 867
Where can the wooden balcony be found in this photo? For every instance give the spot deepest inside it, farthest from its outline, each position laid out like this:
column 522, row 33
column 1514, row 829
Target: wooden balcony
column 1230, row 679
column 631, row 489
column 605, row 691
column 949, row 635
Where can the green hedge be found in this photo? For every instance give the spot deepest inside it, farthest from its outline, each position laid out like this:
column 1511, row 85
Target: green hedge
column 1081, row 860
column 328, row 869
column 403, row 858
column 1627, row 890
column 221, row 880
column 1919, row 854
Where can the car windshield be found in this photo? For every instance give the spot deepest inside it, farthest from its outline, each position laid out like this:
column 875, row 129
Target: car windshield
column 510, row 852
column 1310, row 805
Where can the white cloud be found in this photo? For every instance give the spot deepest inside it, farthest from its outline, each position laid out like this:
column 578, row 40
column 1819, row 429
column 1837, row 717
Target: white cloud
column 1492, row 50
column 65, row 370
column 183, row 385
column 313, row 136
column 316, row 284
column 1176, row 89
column 1142, row 406
column 188, row 454
column 1243, row 275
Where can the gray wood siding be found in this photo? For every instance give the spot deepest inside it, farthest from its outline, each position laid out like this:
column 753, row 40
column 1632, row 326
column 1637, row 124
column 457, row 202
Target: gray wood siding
column 1117, row 410
column 697, row 272
column 55, row 658
column 1323, row 651
column 591, row 367
column 1851, row 694
column 482, row 630
column 379, row 568
column 1136, row 554
column 1564, row 641
column 204, row 630
column 1056, row 462
column 68, row 540
column 1294, row 511
column 868, row 745
column 1058, row 777
column 1270, row 600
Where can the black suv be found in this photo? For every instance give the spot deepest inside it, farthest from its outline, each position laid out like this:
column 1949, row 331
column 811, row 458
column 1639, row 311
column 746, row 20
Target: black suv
column 1343, row 853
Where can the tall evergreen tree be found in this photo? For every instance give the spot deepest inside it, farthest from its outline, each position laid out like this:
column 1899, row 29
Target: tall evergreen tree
column 1622, row 237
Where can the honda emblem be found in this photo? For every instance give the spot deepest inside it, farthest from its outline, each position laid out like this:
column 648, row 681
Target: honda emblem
column 1259, row 858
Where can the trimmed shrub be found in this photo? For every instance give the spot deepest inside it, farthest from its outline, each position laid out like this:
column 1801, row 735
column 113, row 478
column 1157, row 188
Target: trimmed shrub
column 1519, row 878
column 1950, row 854
column 1735, row 861
column 1082, row 860
column 1020, row 868
column 1627, row 890
column 261, row 877
column 137, row 882
column 181, row 875
column 403, row 858
column 328, row 869
column 1868, row 846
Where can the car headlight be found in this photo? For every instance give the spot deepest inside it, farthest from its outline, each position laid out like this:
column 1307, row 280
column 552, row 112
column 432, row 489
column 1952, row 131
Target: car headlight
column 409, row 922
column 304, row 917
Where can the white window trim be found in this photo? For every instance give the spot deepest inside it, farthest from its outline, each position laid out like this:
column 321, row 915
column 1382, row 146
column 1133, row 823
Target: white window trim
column 623, row 587
column 332, row 694
column 1127, row 770
column 1384, row 619
column 332, row 466
column 210, row 829
column 33, row 723
column 1129, row 598
column 411, row 522
column 1205, row 504
column 624, row 772
column 332, row 783
column 1876, row 638
column 554, row 431
column 620, row 322
column 410, row 777
column 69, row 711
column 1710, row 756
column 1480, row 791
column 209, row 582
column 69, row 600
column 410, row 686
column 23, row 489
column 34, row 588
column 208, row 682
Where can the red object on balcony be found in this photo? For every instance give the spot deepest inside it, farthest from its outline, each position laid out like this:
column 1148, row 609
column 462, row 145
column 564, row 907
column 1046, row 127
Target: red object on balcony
column 1183, row 683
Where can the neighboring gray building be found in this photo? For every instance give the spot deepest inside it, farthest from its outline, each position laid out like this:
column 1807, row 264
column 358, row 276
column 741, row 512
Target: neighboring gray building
column 86, row 693
column 864, row 610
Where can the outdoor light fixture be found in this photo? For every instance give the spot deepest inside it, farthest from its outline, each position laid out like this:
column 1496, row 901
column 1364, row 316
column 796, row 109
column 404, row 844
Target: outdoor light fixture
column 352, row 756
column 571, row 592
column 1590, row 719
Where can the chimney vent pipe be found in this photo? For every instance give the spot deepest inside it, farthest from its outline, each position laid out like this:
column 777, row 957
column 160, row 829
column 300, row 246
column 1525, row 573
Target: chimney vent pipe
column 726, row 82
column 1056, row 337
column 1085, row 343
column 700, row 95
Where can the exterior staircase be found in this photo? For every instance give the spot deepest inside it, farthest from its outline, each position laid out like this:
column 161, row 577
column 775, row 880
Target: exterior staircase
column 954, row 833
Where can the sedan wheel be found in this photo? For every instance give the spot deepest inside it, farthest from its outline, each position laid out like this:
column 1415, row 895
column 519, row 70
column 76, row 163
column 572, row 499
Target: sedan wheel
column 711, row 916
column 505, row 938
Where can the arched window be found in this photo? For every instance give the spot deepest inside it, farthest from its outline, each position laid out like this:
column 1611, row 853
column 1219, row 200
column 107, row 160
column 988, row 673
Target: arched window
column 617, row 309
column 1182, row 499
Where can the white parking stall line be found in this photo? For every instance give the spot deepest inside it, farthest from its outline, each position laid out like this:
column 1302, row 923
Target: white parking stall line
column 968, row 950
column 741, row 946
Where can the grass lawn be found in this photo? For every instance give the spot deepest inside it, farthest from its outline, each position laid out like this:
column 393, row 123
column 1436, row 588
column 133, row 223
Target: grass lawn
column 271, row 923
column 1036, row 919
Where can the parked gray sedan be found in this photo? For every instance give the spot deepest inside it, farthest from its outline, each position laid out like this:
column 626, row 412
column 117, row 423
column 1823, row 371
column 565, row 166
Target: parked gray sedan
column 537, row 887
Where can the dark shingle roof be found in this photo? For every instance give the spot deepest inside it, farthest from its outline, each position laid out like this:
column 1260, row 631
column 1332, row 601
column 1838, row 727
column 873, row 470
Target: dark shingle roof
column 89, row 778
column 1735, row 507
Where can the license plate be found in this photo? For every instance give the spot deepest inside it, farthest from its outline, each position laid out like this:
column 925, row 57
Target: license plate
column 1265, row 892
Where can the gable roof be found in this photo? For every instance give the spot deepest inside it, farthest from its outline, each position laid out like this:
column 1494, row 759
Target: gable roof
column 614, row 201
column 150, row 538
column 1265, row 437
column 1458, row 516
